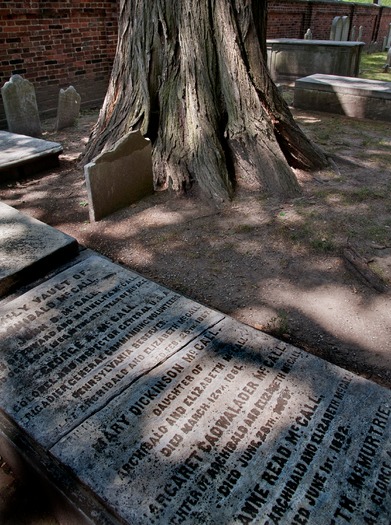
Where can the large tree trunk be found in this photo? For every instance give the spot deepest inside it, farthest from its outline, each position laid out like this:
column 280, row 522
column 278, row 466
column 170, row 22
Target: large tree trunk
column 192, row 76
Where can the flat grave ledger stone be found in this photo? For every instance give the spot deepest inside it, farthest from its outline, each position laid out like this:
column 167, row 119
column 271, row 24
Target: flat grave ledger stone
column 20, row 106
column 28, row 247
column 68, row 108
column 118, row 177
column 72, row 343
column 169, row 412
column 21, row 155
column 354, row 97
column 239, row 428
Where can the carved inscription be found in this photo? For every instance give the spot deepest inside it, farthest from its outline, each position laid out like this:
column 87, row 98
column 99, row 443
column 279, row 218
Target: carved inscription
column 71, row 344
column 238, row 428
column 171, row 413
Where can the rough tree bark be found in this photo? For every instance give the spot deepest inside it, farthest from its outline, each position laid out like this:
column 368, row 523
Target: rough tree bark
column 192, row 76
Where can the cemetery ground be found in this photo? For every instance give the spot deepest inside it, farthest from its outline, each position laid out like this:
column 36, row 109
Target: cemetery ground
column 313, row 270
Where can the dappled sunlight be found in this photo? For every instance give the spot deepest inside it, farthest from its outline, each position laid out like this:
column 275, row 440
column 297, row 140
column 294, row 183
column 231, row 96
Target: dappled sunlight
column 346, row 314
column 307, row 119
column 255, row 256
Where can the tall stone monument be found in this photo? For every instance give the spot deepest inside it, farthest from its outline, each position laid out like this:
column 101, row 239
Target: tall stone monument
column 20, row 106
column 68, row 108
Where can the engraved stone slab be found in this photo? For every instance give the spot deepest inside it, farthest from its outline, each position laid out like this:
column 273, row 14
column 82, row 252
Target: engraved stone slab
column 73, row 343
column 22, row 155
column 68, row 108
column 20, row 106
column 28, row 246
column 117, row 178
column 164, row 411
column 239, row 428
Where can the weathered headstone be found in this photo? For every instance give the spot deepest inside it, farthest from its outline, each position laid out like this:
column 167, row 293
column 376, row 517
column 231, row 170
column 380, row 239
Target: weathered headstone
column 117, row 178
column 387, row 41
column 389, row 57
column 28, row 246
column 68, row 108
column 20, row 107
column 345, row 28
column 146, row 407
column 340, row 28
column 334, row 25
column 308, row 34
column 21, row 155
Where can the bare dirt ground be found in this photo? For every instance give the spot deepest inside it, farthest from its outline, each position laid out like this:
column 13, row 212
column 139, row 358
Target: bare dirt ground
column 277, row 266
column 315, row 270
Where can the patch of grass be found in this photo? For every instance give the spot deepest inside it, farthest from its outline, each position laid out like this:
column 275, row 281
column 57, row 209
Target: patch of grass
column 372, row 65
column 278, row 325
column 378, row 232
column 322, row 244
column 383, row 2
column 362, row 195
column 244, row 228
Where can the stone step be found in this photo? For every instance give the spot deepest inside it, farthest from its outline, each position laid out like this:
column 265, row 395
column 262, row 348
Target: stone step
column 145, row 407
column 22, row 156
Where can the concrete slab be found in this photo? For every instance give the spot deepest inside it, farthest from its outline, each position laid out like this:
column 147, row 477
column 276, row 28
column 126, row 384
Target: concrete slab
column 28, row 247
column 21, row 155
column 354, row 97
column 148, row 408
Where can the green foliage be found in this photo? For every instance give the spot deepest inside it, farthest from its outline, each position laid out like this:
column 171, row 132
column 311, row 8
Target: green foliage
column 372, row 66
column 382, row 2
column 278, row 326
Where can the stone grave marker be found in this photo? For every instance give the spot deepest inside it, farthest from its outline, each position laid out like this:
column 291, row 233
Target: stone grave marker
column 20, row 107
column 95, row 326
column 68, row 108
column 333, row 30
column 388, row 37
column 354, row 97
column 21, row 155
column 345, row 28
column 149, row 408
column 28, row 246
column 308, row 34
column 117, row 178
column 340, row 28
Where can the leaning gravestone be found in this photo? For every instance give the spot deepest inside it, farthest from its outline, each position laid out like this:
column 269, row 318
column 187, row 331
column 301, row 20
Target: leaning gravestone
column 148, row 408
column 68, row 108
column 20, row 107
column 118, row 177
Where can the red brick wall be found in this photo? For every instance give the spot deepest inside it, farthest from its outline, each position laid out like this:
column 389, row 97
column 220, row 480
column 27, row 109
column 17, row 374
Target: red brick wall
column 57, row 43
column 292, row 18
